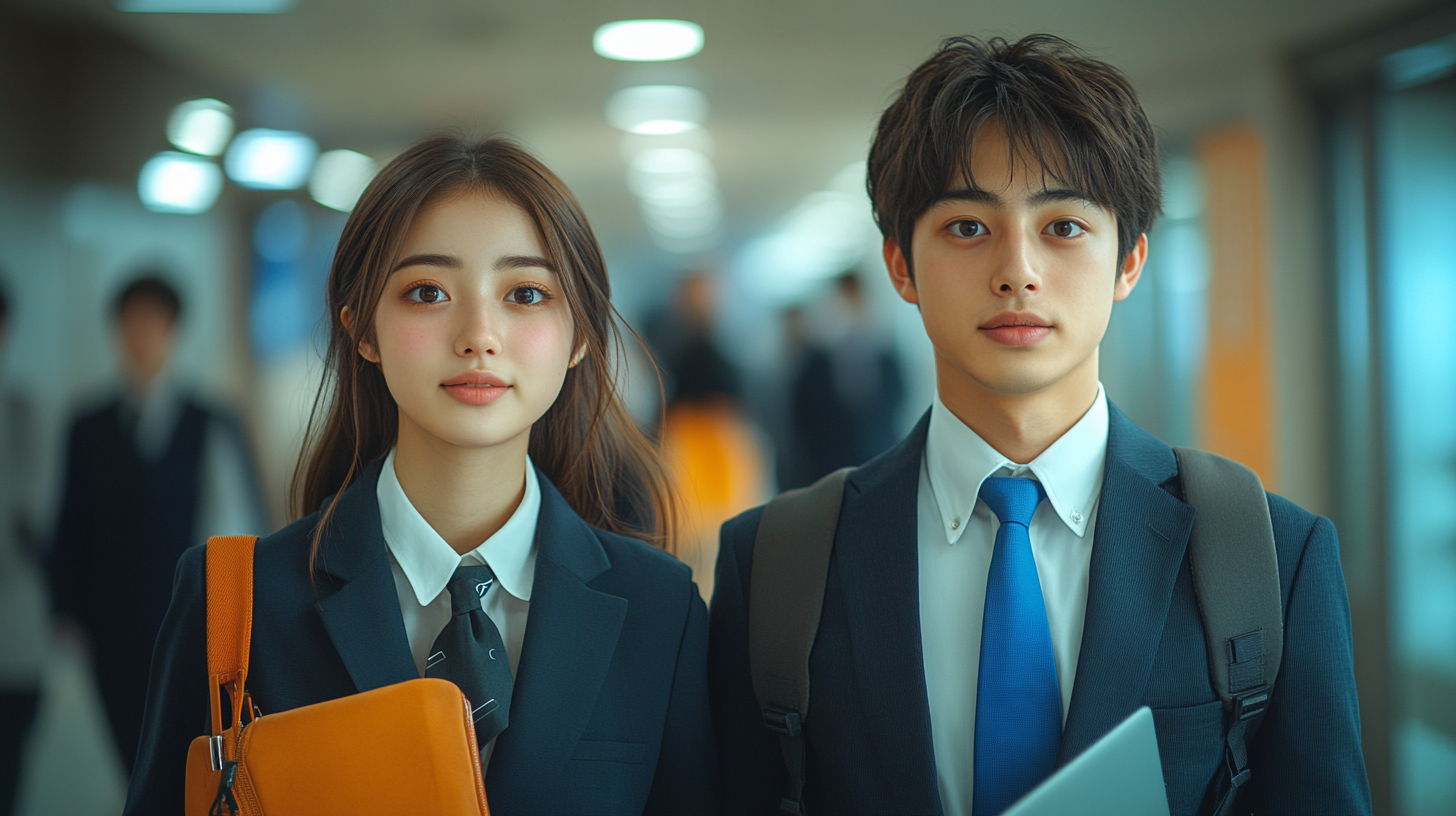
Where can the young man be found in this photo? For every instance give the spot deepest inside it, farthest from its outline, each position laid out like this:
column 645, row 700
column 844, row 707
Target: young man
column 148, row 474
column 1014, row 184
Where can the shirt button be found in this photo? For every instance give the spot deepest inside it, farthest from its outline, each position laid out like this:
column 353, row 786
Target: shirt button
column 955, row 523
column 1076, row 517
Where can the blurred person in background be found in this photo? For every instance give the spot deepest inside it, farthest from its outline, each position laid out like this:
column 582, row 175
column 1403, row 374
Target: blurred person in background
column 23, row 621
column 717, row 456
column 152, row 472
column 847, row 392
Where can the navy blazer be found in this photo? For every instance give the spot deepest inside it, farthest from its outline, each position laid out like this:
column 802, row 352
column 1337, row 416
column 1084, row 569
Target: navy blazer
column 610, row 708
column 868, row 729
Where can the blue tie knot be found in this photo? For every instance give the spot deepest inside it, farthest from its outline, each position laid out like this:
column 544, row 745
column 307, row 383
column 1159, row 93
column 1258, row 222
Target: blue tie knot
column 1013, row 500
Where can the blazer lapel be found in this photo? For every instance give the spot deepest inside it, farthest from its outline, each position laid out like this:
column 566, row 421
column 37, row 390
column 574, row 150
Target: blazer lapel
column 1137, row 551
column 362, row 617
column 571, row 635
column 876, row 553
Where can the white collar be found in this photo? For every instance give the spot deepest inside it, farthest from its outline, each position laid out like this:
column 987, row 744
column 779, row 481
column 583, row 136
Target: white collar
column 958, row 460
column 428, row 561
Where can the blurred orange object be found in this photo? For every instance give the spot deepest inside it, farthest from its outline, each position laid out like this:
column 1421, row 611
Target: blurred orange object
column 718, row 463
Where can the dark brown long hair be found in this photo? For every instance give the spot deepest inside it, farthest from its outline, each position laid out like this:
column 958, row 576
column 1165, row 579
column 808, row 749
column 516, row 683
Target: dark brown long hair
column 586, row 444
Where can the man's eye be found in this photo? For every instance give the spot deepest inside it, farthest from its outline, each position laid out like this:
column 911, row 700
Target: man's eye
column 427, row 293
column 968, row 229
column 527, row 296
column 1066, row 229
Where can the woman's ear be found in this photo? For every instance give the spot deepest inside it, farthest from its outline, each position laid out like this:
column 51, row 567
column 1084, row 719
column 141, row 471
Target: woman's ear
column 366, row 349
column 578, row 355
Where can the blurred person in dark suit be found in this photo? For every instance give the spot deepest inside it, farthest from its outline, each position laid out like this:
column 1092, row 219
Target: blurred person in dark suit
column 150, row 473
column 23, row 642
column 846, row 394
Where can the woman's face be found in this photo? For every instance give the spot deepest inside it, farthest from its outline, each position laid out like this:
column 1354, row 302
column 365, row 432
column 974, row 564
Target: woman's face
column 474, row 335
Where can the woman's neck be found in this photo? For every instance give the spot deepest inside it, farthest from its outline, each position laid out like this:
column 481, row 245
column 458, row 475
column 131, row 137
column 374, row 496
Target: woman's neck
column 465, row 494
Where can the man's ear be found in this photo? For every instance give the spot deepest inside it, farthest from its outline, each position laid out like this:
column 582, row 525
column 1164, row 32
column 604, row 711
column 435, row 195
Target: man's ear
column 1132, row 269
column 366, row 349
column 899, row 269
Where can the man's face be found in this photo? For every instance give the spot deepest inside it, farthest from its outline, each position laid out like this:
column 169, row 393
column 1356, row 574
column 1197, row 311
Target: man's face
column 1015, row 279
column 145, row 329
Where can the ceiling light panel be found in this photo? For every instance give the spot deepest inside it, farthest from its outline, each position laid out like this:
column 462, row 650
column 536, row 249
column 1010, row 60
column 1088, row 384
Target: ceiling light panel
column 648, row 40
column 172, row 182
column 339, row 178
column 657, row 110
column 201, row 126
column 270, row 159
column 206, row 6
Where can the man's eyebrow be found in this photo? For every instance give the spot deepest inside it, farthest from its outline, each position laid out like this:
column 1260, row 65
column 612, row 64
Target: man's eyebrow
column 1052, row 195
column 970, row 195
column 429, row 259
column 524, row 262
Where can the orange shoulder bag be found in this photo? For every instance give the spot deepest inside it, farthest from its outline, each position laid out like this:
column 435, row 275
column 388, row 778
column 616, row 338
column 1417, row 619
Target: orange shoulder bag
column 405, row 748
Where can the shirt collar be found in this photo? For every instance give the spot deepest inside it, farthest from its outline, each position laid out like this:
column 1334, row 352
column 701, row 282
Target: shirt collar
column 428, row 561
column 958, row 460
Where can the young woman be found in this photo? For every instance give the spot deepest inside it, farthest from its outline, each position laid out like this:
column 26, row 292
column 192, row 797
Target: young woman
column 472, row 424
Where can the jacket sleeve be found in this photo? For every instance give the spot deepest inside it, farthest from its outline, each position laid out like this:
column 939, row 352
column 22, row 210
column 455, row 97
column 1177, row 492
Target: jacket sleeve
column 1306, row 757
column 753, row 778
column 686, row 780
column 177, row 709
column 69, row 554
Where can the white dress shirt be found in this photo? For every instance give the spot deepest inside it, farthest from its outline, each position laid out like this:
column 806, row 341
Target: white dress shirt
column 956, row 533
column 423, row 563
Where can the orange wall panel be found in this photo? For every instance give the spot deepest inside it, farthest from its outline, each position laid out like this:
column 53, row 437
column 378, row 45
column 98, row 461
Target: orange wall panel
column 1238, row 401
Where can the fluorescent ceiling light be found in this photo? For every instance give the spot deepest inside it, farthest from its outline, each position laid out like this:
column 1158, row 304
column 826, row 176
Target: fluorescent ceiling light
column 207, row 6
column 339, row 178
column 201, row 126
column 648, row 40
column 657, row 110
column 174, row 182
column 270, row 159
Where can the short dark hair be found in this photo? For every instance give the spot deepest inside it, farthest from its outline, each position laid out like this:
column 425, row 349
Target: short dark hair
column 149, row 286
column 1078, row 117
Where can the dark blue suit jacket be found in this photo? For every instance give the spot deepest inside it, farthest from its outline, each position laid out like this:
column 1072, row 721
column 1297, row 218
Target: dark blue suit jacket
column 869, row 726
column 610, row 709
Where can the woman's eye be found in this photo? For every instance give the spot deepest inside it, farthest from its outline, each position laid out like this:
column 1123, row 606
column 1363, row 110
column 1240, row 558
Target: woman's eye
column 1066, row 229
column 427, row 293
column 527, row 296
column 968, row 229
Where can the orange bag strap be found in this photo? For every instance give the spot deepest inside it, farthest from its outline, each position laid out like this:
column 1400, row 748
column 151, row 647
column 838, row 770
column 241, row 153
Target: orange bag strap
column 229, row 624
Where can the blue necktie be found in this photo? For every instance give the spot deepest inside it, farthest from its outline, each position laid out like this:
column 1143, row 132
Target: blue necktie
column 1018, row 706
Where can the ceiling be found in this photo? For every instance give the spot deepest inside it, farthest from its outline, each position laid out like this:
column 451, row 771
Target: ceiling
column 794, row 85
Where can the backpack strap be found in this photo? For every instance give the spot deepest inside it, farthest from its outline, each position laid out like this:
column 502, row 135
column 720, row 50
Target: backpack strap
column 1236, row 580
column 229, row 636
column 790, row 569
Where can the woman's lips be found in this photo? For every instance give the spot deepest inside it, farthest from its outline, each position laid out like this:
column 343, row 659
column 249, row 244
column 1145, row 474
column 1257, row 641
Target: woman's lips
column 475, row 393
column 1018, row 335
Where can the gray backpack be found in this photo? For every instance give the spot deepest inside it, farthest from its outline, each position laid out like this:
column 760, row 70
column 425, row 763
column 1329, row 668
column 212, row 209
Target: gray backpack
column 1235, row 578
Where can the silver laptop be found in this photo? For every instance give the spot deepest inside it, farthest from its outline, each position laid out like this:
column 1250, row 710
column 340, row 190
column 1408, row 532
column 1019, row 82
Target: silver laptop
column 1120, row 775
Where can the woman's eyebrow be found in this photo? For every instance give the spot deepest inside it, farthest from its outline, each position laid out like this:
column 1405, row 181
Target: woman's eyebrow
column 523, row 262
column 429, row 259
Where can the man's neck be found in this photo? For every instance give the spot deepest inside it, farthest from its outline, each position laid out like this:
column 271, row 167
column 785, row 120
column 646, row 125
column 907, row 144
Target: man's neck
column 1019, row 426
column 464, row 494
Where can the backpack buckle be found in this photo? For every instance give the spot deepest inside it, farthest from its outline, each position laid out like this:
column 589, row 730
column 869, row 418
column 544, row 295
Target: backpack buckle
column 783, row 723
column 1250, row 704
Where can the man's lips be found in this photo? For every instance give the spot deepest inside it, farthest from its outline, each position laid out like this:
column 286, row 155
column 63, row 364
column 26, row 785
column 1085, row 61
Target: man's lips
column 475, row 387
column 1016, row 329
